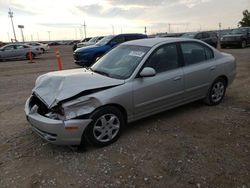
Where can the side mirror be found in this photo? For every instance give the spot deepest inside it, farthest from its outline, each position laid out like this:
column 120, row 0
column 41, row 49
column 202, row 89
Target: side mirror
column 147, row 72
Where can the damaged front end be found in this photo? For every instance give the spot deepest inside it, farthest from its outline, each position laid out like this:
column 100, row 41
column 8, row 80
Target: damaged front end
column 61, row 102
column 62, row 124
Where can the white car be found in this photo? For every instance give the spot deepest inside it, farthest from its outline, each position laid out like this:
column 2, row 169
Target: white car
column 18, row 51
column 43, row 47
column 92, row 41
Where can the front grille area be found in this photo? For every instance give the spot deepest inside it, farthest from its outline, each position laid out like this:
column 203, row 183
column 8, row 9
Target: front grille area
column 76, row 56
column 42, row 108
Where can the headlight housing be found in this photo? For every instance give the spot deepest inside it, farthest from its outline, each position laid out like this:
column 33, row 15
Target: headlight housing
column 78, row 107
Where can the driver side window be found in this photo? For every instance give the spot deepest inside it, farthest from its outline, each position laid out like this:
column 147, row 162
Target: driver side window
column 118, row 40
column 164, row 58
column 9, row 47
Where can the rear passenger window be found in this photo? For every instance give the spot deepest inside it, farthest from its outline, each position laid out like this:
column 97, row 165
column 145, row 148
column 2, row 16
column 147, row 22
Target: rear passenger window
column 195, row 53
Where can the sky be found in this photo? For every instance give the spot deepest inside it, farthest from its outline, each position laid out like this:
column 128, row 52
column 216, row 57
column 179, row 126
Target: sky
column 64, row 19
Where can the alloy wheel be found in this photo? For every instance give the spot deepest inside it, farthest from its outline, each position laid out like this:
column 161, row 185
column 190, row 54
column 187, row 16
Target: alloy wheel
column 106, row 127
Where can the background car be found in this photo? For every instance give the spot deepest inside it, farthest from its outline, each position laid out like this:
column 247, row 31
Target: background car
column 83, row 40
column 43, row 47
column 86, row 56
column 18, row 51
column 238, row 37
column 208, row 37
column 92, row 41
column 132, row 81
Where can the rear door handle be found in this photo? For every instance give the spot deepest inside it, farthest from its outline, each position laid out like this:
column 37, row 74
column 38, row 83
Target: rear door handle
column 212, row 68
column 177, row 78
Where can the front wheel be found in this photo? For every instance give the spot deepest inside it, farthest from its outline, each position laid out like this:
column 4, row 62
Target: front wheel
column 216, row 92
column 106, row 126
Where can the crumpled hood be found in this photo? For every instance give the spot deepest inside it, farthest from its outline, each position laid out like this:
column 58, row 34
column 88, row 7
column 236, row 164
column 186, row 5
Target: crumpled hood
column 54, row 87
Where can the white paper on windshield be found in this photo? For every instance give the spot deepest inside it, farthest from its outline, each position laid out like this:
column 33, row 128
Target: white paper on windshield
column 136, row 53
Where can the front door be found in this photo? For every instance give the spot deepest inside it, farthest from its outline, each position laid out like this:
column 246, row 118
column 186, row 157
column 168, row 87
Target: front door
column 165, row 89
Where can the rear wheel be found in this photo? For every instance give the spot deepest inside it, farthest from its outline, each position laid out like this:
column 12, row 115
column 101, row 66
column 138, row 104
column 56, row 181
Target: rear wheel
column 244, row 44
column 216, row 92
column 43, row 50
column 106, row 126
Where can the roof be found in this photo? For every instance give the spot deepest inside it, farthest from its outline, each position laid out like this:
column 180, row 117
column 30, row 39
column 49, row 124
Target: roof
column 150, row 42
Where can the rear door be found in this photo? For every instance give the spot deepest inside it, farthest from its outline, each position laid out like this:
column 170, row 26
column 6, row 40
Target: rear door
column 199, row 69
column 21, row 51
column 165, row 89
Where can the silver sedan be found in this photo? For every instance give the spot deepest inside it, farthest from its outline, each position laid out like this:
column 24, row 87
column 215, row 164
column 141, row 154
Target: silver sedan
column 134, row 80
column 18, row 51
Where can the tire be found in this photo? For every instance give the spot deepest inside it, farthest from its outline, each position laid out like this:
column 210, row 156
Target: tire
column 216, row 92
column 243, row 44
column 74, row 47
column 223, row 46
column 106, row 126
column 28, row 56
column 43, row 50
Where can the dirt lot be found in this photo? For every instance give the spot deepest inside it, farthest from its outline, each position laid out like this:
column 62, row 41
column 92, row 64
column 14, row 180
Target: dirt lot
column 192, row 146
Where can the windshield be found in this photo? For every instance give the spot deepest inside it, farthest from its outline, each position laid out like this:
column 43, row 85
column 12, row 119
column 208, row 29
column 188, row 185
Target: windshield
column 105, row 40
column 120, row 62
column 188, row 35
column 239, row 31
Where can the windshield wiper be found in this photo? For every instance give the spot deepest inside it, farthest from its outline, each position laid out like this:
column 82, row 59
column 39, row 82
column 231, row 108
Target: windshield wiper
column 99, row 72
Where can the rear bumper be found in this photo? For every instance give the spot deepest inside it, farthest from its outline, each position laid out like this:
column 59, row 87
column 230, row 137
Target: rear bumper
column 56, row 131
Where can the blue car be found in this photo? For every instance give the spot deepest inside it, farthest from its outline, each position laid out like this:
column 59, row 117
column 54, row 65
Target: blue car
column 86, row 56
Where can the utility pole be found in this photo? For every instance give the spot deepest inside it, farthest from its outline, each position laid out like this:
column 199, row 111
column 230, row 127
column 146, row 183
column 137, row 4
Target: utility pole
column 84, row 26
column 11, row 17
column 49, row 34
column 219, row 35
column 169, row 25
column 113, row 30
column 145, row 30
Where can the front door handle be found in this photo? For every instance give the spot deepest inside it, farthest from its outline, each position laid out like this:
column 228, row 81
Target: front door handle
column 212, row 68
column 177, row 78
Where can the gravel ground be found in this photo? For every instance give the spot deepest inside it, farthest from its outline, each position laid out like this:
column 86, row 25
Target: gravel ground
column 191, row 146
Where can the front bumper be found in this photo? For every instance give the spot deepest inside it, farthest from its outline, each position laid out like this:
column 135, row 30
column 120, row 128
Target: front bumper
column 84, row 60
column 68, row 132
